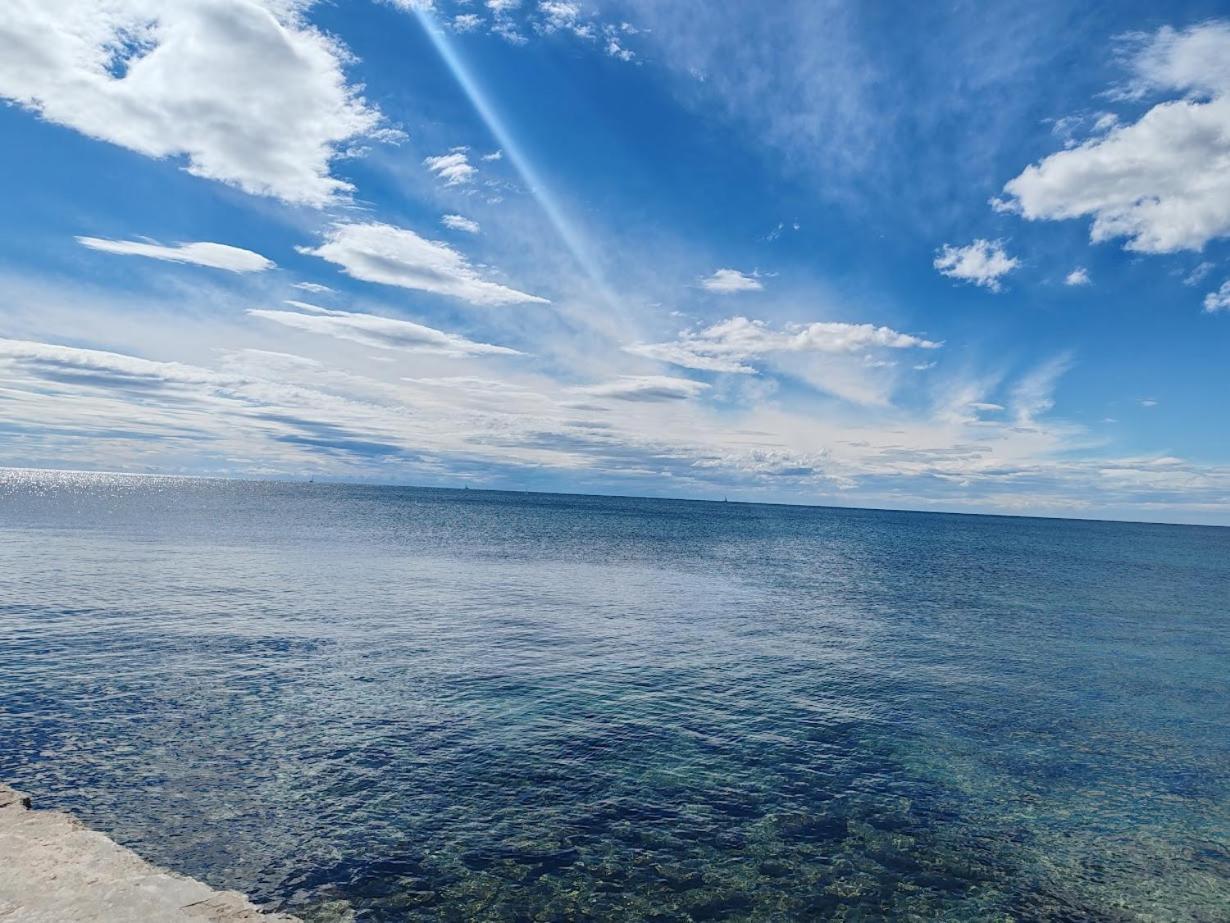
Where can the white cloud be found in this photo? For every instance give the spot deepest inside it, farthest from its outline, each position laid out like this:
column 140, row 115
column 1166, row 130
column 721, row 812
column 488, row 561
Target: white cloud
column 1034, row 394
column 201, row 253
column 507, row 30
column 467, row 22
column 616, row 50
column 1148, row 402
column 314, row 287
column 1163, row 181
column 1196, row 276
column 115, row 366
column 502, row 6
column 1192, row 60
column 391, row 255
column 728, row 346
column 245, row 91
column 494, row 155
column 454, row 167
column 559, row 14
column 730, row 282
column 1078, row 276
column 646, row 388
column 460, row 223
column 984, row 262
column 1218, row 300
column 381, row 332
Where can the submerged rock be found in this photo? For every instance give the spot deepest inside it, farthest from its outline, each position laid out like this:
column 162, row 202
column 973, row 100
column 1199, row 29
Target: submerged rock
column 56, row 869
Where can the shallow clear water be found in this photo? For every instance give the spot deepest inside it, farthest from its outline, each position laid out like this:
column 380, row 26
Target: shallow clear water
column 461, row 705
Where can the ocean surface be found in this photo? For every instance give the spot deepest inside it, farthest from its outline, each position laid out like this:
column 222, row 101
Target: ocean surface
column 407, row 704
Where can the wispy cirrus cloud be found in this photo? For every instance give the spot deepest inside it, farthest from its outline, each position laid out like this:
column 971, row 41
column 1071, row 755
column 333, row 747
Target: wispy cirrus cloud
column 244, row 90
column 645, row 388
column 380, row 332
column 390, row 255
column 731, row 345
column 200, row 253
column 454, row 167
column 460, row 223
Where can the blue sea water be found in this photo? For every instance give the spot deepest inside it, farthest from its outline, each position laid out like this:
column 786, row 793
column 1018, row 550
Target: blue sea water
column 406, row 704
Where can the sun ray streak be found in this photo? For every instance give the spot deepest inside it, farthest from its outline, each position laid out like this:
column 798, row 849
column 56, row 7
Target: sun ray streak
column 573, row 239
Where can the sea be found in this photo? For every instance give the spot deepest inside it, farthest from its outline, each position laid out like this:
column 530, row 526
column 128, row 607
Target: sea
column 382, row 703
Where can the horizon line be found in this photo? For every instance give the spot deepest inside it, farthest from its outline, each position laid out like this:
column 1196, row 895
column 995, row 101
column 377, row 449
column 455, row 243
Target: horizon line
column 331, row 481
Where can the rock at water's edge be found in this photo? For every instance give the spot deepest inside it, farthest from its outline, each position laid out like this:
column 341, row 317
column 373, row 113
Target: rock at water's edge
column 53, row 868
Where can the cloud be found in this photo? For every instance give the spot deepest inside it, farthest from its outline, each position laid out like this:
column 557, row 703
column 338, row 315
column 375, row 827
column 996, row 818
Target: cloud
column 493, row 156
column 730, row 282
column 646, row 388
column 1148, row 402
column 1162, row 181
column 102, row 366
column 1078, row 276
column 1196, row 276
column 1034, row 394
column 460, row 223
column 1218, row 300
column 559, row 14
column 454, row 167
column 613, row 41
column 381, row 332
column 467, row 22
column 984, row 262
column 201, row 253
column 245, row 91
column 730, row 345
column 391, row 255
column 314, row 287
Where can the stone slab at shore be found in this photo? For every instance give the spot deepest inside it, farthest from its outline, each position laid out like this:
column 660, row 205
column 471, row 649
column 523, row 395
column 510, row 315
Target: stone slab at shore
column 54, row 869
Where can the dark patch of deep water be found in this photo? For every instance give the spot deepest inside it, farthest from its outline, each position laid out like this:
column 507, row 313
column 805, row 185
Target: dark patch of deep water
column 388, row 704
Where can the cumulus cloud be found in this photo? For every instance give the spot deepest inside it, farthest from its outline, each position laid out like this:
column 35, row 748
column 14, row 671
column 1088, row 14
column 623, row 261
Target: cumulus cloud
column 467, row 22
column 728, row 346
column 454, row 167
column 730, row 282
column 391, row 255
column 460, row 223
column 243, row 90
column 646, row 388
column 1078, row 276
column 1218, row 300
column 380, row 332
column 984, row 263
column 1163, row 181
column 201, row 253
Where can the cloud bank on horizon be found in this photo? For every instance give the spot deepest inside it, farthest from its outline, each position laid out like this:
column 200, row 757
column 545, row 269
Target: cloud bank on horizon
column 272, row 237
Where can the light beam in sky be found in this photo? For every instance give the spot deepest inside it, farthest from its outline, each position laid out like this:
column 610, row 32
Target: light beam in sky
column 542, row 193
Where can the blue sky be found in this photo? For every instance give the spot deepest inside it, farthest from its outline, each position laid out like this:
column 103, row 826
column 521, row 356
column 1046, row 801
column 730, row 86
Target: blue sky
column 970, row 257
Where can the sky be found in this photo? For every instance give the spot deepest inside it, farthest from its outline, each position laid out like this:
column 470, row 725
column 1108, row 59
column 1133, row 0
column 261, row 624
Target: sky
column 962, row 256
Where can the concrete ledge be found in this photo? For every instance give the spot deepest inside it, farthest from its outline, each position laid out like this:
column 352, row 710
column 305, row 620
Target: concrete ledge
column 54, row 869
